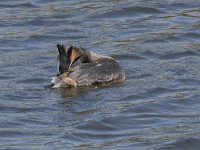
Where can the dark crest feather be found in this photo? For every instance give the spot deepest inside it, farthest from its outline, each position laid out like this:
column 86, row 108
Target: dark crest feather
column 59, row 48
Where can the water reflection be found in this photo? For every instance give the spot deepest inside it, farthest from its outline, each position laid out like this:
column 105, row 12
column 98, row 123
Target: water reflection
column 71, row 92
column 157, row 107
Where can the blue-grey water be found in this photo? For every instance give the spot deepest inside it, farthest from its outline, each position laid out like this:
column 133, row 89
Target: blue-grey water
column 156, row 108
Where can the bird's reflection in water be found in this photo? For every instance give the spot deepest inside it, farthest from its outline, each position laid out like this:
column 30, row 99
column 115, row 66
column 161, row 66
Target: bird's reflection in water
column 72, row 92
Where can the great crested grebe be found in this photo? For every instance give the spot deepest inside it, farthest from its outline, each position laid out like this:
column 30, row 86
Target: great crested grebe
column 93, row 69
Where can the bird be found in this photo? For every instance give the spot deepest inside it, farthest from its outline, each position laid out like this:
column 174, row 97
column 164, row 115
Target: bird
column 93, row 69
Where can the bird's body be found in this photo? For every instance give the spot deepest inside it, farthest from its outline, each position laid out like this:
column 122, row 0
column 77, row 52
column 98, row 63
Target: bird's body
column 93, row 69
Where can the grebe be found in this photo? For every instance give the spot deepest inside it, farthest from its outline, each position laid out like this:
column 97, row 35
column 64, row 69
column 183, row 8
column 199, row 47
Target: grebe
column 93, row 69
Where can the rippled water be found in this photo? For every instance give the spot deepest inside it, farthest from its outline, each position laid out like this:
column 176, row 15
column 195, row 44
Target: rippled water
column 157, row 43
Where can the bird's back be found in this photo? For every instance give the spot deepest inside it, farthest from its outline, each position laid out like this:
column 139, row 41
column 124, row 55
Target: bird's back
column 103, row 71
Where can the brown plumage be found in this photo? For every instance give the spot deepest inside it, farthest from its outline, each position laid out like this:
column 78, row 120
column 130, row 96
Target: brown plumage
column 93, row 69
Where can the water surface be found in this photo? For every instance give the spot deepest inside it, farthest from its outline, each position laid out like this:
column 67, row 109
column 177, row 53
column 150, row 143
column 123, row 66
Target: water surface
column 157, row 43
